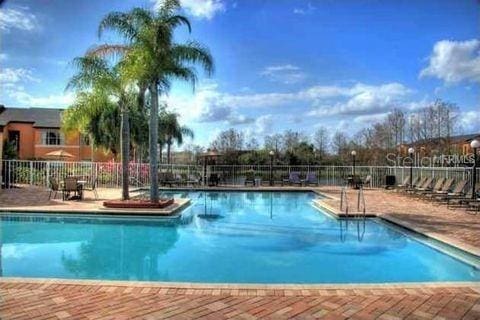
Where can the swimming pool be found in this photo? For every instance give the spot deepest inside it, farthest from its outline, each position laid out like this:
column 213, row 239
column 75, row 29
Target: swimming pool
column 234, row 237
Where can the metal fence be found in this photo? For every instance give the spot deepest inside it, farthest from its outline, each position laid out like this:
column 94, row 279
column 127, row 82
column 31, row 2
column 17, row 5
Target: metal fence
column 38, row 173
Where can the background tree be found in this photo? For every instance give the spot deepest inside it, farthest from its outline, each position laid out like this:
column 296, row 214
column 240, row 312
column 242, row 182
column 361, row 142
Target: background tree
column 321, row 141
column 171, row 131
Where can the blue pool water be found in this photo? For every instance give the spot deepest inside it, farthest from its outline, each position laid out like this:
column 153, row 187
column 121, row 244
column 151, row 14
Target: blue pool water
column 241, row 237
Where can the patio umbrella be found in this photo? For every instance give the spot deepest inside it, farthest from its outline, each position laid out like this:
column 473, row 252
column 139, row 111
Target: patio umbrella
column 61, row 154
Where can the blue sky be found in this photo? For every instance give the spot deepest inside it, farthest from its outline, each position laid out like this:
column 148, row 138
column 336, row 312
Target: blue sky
column 279, row 64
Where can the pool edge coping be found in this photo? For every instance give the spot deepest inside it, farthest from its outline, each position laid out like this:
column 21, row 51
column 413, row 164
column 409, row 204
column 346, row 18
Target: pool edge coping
column 245, row 286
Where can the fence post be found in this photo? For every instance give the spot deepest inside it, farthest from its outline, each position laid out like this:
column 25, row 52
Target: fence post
column 31, row 173
column 47, row 174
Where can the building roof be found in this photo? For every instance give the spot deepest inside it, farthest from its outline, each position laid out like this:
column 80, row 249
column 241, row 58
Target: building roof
column 464, row 138
column 39, row 117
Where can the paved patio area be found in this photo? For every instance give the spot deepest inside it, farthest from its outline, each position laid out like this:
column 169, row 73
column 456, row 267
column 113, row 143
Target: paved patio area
column 32, row 299
column 73, row 300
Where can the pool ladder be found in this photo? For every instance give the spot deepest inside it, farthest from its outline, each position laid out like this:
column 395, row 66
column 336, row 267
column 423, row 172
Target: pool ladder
column 344, row 201
column 359, row 216
column 361, row 205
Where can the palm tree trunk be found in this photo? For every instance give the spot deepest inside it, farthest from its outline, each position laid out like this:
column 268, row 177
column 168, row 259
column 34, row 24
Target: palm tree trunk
column 125, row 152
column 168, row 152
column 153, row 142
column 160, row 150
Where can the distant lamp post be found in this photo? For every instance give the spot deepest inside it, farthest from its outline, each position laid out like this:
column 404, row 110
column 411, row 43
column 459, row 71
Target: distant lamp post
column 475, row 144
column 354, row 154
column 271, row 153
column 411, row 152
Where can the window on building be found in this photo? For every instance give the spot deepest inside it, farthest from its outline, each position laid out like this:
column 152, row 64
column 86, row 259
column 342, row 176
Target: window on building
column 52, row 137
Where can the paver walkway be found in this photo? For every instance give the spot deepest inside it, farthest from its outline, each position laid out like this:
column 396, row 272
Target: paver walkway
column 37, row 300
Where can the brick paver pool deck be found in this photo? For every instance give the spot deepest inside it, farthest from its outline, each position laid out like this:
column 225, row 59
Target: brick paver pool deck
column 76, row 300
column 65, row 299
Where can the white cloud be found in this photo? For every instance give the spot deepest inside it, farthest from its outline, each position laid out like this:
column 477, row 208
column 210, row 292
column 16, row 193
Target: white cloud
column 19, row 18
column 470, row 121
column 16, row 75
column 287, row 73
column 264, row 124
column 202, row 9
column 210, row 104
column 370, row 118
column 365, row 99
column 3, row 56
column 13, row 82
column 304, row 11
column 24, row 99
column 454, row 61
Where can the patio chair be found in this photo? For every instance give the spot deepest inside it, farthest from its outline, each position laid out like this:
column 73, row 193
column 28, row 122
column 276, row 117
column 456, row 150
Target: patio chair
column 193, row 179
column 70, row 185
column 458, row 191
column 213, row 180
column 294, row 178
column 405, row 183
column 474, row 205
column 444, row 189
column 92, row 187
column 311, row 179
column 419, row 185
column 367, row 181
column 415, row 182
column 466, row 199
column 250, row 178
column 167, row 179
column 54, row 187
column 426, row 190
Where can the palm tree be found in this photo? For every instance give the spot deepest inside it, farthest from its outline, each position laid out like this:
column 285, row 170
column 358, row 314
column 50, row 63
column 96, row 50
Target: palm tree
column 95, row 76
column 171, row 131
column 90, row 115
column 153, row 59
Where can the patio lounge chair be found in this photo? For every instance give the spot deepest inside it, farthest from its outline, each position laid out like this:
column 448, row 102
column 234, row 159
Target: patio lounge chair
column 471, row 204
column 294, row 178
column 474, row 205
column 250, row 178
column 420, row 184
column 311, row 179
column 54, row 187
column 444, row 189
column 367, row 181
column 415, row 182
column 461, row 200
column 426, row 190
column 458, row 191
column 405, row 183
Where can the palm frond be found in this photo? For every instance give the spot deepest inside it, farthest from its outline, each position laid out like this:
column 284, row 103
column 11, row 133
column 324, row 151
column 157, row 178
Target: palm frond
column 117, row 21
column 178, row 20
column 105, row 50
column 194, row 52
